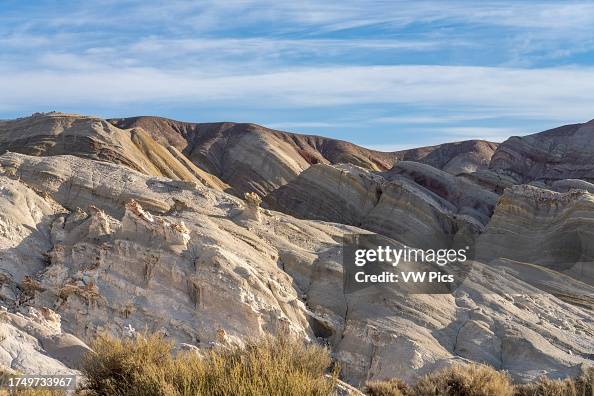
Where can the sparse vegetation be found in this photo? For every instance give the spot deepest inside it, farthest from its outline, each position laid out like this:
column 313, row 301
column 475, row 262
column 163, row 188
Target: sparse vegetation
column 456, row 380
column 469, row 380
column 392, row 387
column 579, row 386
column 481, row 380
column 146, row 366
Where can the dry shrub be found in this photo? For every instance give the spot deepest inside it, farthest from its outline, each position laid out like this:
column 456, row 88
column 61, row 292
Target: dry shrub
column 468, row 380
column 548, row 387
column 579, row 386
column 146, row 366
column 391, row 387
column 89, row 292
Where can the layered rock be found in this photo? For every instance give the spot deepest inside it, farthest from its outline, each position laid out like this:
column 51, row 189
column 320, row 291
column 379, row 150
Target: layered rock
column 252, row 158
column 90, row 137
column 492, row 318
column 469, row 198
column 535, row 225
column 116, row 264
column 490, row 180
column 556, row 154
column 112, row 249
column 395, row 206
column 159, row 232
column 456, row 158
column 567, row 185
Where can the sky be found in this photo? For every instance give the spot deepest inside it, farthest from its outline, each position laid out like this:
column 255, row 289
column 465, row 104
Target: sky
column 388, row 75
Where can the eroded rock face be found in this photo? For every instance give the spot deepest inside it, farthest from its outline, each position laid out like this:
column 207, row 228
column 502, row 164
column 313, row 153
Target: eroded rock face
column 251, row 211
column 111, row 249
column 111, row 267
column 188, row 272
column 467, row 197
column 535, row 225
column 159, row 232
column 344, row 194
column 455, row 158
column 91, row 137
column 391, row 204
column 33, row 343
column 556, row 154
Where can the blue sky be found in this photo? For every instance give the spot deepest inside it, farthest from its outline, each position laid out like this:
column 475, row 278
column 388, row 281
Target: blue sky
column 384, row 74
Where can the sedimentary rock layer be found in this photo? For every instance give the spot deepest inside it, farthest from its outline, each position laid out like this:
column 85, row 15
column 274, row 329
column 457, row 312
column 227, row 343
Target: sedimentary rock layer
column 393, row 204
column 190, row 262
column 456, row 158
column 535, row 225
column 91, row 137
column 560, row 153
column 250, row 157
column 113, row 249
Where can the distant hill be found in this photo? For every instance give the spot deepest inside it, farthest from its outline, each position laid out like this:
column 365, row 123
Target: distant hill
column 251, row 157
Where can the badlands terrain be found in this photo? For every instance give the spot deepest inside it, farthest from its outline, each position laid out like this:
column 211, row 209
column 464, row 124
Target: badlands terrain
column 216, row 233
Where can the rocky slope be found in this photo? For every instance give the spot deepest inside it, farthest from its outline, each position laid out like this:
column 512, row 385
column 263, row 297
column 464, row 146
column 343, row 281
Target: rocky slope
column 91, row 137
column 395, row 206
column 455, row 158
column 113, row 249
column 110, row 241
column 413, row 202
column 250, row 157
column 556, row 154
column 34, row 343
column 535, row 225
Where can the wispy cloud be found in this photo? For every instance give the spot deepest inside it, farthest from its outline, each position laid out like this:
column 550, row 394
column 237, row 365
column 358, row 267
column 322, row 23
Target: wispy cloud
column 432, row 119
column 552, row 92
column 420, row 66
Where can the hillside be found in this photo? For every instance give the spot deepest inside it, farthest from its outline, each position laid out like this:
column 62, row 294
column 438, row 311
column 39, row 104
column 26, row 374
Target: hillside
column 250, row 157
column 109, row 229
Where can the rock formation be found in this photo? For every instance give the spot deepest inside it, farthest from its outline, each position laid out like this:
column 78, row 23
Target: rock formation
column 455, row 158
column 397, row 204
column 90, row 137
column 556, row 154
column 97, row 231
column 535, row 225
column 251, row 212
column 252, row 158
column 34, row 343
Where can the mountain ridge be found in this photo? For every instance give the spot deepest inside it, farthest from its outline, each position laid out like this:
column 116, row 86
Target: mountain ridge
column 114, row 230
column 209, row 146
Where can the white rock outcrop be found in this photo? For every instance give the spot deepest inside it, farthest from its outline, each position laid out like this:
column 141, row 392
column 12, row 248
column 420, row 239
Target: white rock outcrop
column 33, row 343
column 156, row 255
